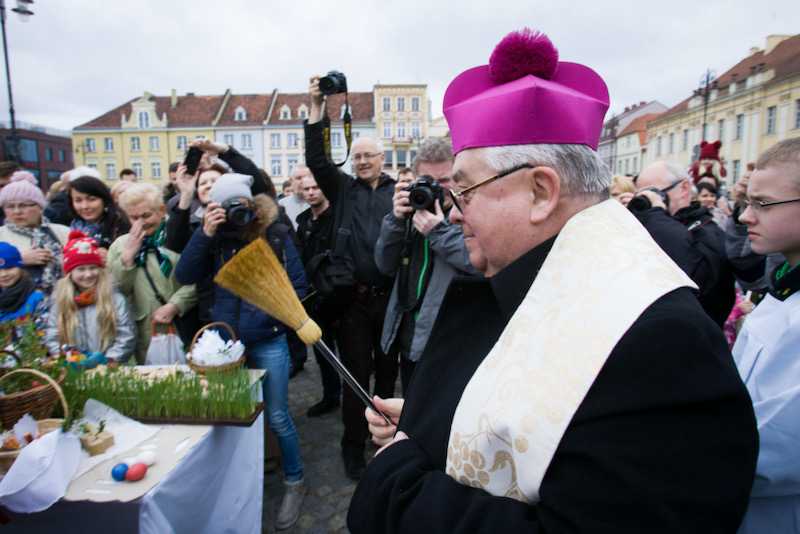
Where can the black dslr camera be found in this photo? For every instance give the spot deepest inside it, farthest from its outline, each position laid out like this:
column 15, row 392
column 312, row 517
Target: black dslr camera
column 641, row 203
column 333, row 83
column 423, row 194
column 238, row 213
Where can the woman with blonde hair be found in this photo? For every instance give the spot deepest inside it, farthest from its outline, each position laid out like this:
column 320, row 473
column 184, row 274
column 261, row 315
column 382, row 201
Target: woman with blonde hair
column 621, row 184
column 86, row 311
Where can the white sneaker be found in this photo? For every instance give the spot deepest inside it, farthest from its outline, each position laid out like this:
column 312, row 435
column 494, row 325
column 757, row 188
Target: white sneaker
column 290, row 507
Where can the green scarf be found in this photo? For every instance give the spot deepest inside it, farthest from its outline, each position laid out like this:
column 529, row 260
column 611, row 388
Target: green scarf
column 154, row 243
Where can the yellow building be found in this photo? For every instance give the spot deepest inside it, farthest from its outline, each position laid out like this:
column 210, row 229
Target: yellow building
column 146, row 134
column 401, row 116
column 750, row 108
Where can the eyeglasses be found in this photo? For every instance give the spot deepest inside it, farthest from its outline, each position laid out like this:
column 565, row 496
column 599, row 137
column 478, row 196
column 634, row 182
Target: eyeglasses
column 761, row 207
column 365, row 157
column 20, row 206
column 457, row 196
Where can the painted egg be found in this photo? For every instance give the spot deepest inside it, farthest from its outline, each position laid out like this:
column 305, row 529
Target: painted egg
column 148, row 458
column 118, row 472
column 136, row 472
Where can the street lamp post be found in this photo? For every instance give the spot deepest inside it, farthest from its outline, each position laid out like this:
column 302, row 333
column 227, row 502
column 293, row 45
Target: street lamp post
column 707, row 82
column 12, row 152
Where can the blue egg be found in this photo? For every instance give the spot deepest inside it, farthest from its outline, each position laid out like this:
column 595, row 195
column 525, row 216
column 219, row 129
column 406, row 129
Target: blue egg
column 118, row 472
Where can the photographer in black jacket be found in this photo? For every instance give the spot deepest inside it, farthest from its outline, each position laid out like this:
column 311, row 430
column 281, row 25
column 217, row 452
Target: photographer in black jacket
column 686, row 231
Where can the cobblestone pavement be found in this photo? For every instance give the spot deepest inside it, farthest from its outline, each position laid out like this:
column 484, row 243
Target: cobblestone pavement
column 329, row 490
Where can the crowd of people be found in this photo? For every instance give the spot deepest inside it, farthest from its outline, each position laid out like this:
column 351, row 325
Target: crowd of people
column 576, row 351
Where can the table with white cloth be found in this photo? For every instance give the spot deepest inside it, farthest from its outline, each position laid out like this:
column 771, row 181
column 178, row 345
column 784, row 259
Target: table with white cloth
column 216, row 487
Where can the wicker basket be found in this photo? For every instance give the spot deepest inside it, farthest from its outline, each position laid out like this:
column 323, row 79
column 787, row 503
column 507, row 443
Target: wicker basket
column 39, row 401
column 220, row 368
column 7, row 458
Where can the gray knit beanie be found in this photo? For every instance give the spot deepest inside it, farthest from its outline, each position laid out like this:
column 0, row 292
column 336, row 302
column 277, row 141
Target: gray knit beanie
column 231, row 185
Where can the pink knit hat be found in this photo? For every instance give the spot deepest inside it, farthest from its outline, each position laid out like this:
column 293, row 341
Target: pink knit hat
column 22, row 186
column 525, row 96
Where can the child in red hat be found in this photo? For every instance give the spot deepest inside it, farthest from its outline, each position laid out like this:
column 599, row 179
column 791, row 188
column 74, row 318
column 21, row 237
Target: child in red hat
column 87, row 313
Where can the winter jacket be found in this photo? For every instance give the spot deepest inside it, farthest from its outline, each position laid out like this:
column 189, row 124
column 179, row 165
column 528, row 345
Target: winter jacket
column 31, row 306
column 450, row 258
column 697, row 245
column 369, row 205
column 204, row 256
column 87, row 336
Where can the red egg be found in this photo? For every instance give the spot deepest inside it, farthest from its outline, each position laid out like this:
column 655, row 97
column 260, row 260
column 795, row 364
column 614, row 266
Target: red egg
column 136, row 472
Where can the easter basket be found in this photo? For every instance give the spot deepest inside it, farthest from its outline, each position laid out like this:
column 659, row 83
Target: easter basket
column 7, row 458
column 38, row 401
column 220, row 368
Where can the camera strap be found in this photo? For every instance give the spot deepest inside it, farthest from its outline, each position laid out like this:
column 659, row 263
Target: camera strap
column 348, row 134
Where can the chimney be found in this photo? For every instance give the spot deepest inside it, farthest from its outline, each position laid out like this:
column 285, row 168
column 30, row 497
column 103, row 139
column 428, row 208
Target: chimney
column 642, row 103
column 174, row 99
column 627, row 109
column 753, row 50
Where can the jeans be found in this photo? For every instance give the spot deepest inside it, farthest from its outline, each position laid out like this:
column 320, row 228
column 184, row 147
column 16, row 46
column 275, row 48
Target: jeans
column 273, row 355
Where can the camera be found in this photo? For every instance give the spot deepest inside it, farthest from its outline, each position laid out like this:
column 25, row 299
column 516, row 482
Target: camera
column 238, row 213
column 423, row 194
column 641, row 203
column 333, row 83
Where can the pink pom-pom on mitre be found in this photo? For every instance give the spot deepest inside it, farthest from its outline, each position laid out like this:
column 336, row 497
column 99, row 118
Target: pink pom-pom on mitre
column 522, row 53
column 19, row 176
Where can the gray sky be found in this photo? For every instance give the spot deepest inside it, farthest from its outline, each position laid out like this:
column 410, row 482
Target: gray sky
column 76, row 59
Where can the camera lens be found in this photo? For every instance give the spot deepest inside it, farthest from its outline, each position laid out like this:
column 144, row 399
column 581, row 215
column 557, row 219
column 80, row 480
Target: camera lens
column 420, row 198
column 639, row 204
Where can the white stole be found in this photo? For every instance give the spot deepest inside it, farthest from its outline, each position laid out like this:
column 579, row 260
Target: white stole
column 603, row 271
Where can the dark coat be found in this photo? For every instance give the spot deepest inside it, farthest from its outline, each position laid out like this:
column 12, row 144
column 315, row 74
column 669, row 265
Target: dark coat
column 664, row 441
column 697, row 245
column 204, row 256
column 370, row 206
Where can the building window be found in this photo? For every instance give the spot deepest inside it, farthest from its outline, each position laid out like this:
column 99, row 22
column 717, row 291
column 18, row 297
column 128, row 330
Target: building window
column 387, row 103
column 275, row 166
column 389, row 159
column 401, row 103
column 302, row 112
column 414, row 103
column 292, row 161
column 634, row 168
column 286, row 113
column 247, row 141
column 61, row 156
column 48, row 153
column 401, row 159
column 387, row 129
column 291, row 141
column 739, row 125
column 108, row 144
column 627, row 170
column 111, row 171
column 772, row 113
column 658, row 146
column 415, row 129
column 737, row 170
column 228, row 139
column 181, row 142
column 797, row 113
column 144, row 119
column 240, row 114
column 413, row 154
column 721, row 130
column 275, row 141
column 336, row 139
column 685, row 145
column 401, row 129
column 154, row 144
column 137, row 168
column 155, row 169
column 671, row 146
column 135, row 147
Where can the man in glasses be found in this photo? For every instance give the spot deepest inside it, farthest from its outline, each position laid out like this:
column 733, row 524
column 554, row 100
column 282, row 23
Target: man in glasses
column 579, row 387
column 767, row 348
column 686, row 231
column 364, row 200
column 423, row 250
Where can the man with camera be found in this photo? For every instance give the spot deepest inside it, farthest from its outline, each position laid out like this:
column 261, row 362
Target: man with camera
column 423, row 250
column 686, row 231
column 365, row 200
